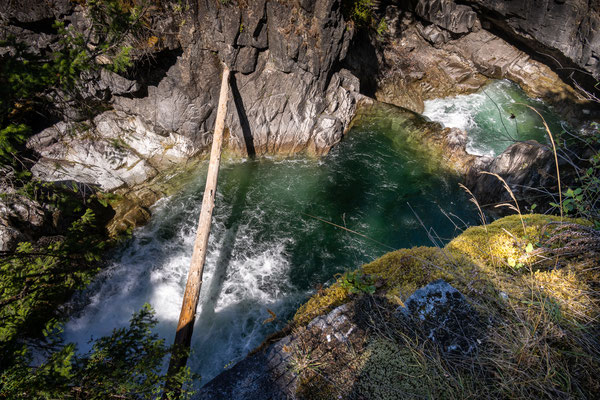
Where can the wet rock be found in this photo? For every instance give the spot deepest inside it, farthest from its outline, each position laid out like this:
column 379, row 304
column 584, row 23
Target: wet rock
column 445, row 317
column 527, row 167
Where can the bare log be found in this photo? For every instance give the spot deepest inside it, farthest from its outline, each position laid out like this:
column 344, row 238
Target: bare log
column 185, row 327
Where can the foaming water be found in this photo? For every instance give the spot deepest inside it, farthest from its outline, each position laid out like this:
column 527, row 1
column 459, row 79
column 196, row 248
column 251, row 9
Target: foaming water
column 265, row 251
column 494, row 117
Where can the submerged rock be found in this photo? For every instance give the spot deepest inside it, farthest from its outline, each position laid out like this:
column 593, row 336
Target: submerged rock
column 445, row 317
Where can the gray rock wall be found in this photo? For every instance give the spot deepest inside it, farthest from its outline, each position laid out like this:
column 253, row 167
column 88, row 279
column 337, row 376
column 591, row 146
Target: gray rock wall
column 288, row 94
column 562, row 32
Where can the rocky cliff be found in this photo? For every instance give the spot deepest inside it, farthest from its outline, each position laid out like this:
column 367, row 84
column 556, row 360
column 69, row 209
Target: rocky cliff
column 289, row 92
column 434, row 49
column 300, row 68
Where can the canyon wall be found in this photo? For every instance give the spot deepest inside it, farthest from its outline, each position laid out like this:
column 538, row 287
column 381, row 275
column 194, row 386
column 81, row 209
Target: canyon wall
column 300, row 70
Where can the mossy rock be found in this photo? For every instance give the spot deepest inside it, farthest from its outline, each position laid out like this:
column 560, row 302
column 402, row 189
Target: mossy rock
column 505, row 242
column 321, row 303
column 478, row 260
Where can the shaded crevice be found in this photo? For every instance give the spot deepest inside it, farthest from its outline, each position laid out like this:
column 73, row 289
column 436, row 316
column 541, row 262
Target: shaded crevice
column 149, row 71
column 45, row 25
column 363, row 61
column 243, row 118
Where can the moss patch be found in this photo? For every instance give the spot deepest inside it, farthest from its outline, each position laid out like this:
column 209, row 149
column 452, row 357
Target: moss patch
column 504, row 240
column 322, row 302
column 531, row 280
column 391, row 371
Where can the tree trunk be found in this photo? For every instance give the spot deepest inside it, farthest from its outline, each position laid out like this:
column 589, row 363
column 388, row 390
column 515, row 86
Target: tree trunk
column 187, row 316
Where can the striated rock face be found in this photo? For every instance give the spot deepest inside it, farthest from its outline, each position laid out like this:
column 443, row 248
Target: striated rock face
column 446, row 14
column 424, row 61
column 288, row 95
column 568, row 30
column 118, row 151
column 563, row 33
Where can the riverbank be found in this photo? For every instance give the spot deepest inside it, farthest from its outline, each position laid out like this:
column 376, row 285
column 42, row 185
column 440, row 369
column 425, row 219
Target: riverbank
column 507, row 309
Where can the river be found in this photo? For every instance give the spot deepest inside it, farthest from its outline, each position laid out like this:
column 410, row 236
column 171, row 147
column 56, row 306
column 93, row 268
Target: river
column 267, row 251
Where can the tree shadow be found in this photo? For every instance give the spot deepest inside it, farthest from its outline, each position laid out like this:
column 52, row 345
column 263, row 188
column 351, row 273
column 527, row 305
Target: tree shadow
column 242, row 117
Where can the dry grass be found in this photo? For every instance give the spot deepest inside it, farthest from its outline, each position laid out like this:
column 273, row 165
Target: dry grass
column 541, row 321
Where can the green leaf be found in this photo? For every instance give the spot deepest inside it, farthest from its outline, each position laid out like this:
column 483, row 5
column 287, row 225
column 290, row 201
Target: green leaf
column 529, row 248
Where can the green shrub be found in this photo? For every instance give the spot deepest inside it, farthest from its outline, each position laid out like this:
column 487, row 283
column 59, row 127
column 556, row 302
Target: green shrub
column 126, row 364
column 357, row 282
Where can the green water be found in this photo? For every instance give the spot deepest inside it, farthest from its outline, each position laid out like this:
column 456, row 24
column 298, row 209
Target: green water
column 494, row 117
column 266, row 252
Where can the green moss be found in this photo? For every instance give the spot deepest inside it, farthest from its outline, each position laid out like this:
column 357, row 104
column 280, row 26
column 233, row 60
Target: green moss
column 321, row 303
column 504, row 242
column 405, row 270
column 538, row 342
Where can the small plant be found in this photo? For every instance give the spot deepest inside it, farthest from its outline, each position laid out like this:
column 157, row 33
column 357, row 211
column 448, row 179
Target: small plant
column 382, row 27
column 357, row 282
column 359, row 12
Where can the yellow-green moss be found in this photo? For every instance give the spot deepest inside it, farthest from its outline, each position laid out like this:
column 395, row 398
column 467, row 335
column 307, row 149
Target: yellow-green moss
column 538, row 345
column 469, row 262
column 405, row 270
column 504, row 240
column 322, row 302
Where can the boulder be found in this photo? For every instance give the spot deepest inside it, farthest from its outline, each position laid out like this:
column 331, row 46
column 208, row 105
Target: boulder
column 118, row 151
column 529, row 170
column 444, row 316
